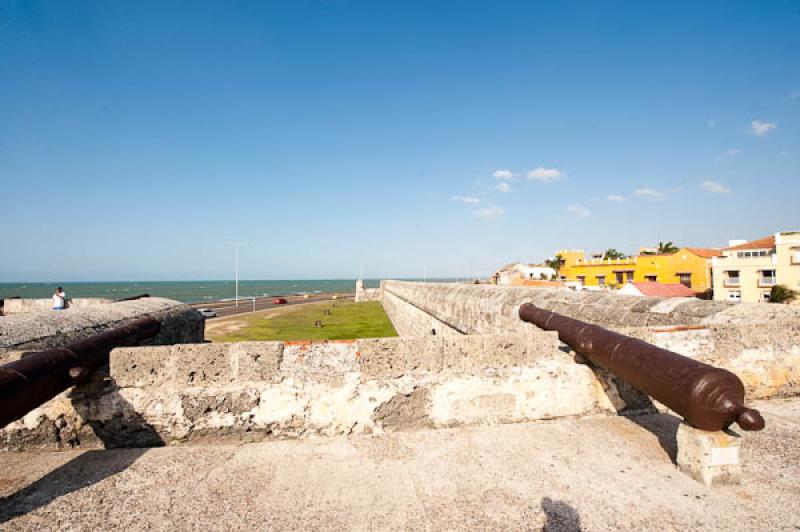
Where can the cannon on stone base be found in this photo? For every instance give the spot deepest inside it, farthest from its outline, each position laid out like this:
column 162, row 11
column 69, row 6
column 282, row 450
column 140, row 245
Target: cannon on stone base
column 707, row 397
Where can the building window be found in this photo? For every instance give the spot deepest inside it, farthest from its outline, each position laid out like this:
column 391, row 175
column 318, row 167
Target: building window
column 581, row 280
column 651, row 278
column 623, row 277
column 685, row 279
column 753, row 254
column 765, row 297
column 734, row 295
column 767, row 278
column 732, row 278
column 601, row 280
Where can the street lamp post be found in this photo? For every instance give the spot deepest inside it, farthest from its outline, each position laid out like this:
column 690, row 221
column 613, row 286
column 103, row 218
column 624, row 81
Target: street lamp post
column 236, row 254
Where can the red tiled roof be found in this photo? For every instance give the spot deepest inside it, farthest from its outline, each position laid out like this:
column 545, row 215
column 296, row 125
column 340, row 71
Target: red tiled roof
column 706, row 253
column 653, row 289
column 762, row 243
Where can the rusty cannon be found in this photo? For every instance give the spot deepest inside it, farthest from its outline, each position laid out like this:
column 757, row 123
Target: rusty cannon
column 39, row 376
column 707, row 397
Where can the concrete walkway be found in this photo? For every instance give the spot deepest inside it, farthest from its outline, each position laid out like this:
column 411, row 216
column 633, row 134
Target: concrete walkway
column 596, row 474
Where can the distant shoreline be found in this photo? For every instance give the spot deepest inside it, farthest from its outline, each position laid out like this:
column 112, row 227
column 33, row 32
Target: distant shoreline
column 187, row 291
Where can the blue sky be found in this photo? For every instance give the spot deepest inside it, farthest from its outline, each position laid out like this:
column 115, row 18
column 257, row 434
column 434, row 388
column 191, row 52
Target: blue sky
column 137, row 138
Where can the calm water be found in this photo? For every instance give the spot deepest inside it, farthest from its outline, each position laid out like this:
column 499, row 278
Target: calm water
column 186, row 291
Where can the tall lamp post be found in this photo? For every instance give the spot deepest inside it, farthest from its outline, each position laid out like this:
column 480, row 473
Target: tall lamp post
column 236, row 253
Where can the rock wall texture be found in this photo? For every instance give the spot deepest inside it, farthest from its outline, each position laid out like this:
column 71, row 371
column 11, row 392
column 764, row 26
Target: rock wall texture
column 489, row 309
column 758, row 342
column 24, row 306
column 258, row 390
column 409, row 320
column 42, row 330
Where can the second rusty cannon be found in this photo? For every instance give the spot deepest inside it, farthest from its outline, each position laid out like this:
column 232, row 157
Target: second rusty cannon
column 708, row 398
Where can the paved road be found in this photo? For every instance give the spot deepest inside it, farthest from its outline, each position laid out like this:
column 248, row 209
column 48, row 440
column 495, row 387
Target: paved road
column 229, row 308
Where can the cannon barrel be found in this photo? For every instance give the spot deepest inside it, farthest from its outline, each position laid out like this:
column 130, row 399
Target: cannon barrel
column 707, row 397
column 39, row 376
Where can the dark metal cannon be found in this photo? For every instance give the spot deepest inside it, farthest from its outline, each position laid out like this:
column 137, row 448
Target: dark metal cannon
column 708, row 398
column 38, row 377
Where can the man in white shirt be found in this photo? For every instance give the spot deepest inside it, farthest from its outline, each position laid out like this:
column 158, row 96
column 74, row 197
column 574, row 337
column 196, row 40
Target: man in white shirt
column 59, row 299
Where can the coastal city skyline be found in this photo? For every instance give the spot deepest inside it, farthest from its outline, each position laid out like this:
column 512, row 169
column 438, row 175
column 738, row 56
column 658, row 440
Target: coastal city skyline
column 413, row 138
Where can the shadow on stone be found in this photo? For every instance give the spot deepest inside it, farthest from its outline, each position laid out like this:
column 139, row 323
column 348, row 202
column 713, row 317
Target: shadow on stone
column 80, row 472
column 561, row 517
column 664, row 427
column 626, row 399
column 126, row 428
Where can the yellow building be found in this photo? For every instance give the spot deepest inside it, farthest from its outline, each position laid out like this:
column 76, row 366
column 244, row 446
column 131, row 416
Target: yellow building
column 748, row 272
column 690, row 267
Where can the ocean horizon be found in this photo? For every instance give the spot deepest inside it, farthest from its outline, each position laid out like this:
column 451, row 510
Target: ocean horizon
column 187, row 291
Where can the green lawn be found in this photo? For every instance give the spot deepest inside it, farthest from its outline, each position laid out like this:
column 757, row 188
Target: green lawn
column 346, row 321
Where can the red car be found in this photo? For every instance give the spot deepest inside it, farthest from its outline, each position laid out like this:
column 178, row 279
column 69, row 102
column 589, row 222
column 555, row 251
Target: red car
column 279, row 301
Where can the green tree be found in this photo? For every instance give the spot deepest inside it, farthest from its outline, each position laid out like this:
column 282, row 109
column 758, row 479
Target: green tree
column 782, row 294
column 555, row 263
column 667, row 248
column 613, row 254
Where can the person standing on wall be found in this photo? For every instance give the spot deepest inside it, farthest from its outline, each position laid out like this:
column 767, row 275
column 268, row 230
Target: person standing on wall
column 59, row 299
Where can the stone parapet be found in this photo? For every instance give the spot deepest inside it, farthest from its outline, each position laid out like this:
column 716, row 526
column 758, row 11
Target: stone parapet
column 26, row 306
column 489, row 309
column 758, row 342
column 258, row 390
column 41, row 330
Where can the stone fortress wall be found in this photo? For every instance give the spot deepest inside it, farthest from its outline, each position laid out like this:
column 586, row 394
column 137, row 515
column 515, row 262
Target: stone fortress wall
column 25, row 306
column 758, row 342
column 463, row 358
column 262, row 390
column 30, row 331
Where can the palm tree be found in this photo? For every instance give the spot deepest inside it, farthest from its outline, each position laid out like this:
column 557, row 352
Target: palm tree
column 782, row 294
column 555, row 263
column 613, row 254
column 666, row 248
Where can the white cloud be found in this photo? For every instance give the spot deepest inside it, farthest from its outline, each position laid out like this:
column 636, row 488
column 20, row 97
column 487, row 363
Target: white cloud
column 465, row 199
column 711, row 124
column 546, row 175
column 762, row 128
column 715, row 187
column 489, row 213
column 503, row 174
column 649, row 194
column 578, row 211
column 733, row 152
column 616, row 197
column 503, row 187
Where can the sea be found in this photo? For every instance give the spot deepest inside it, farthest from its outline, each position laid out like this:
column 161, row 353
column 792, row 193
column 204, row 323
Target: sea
column 185, row 291
column 191, row 291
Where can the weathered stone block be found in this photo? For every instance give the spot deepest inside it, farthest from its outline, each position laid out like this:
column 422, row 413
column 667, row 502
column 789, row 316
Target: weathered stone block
column 420, row 354
column 335, row 357
column 709, row 457
column 378, row 358
column 142, row 366
column 218, row 405
column 256, row 361
column 405, row 411
column 459, row 352
column 202, row 364
column 501, row 352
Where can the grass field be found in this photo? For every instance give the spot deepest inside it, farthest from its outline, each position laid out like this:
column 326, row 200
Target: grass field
column 347, row 320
